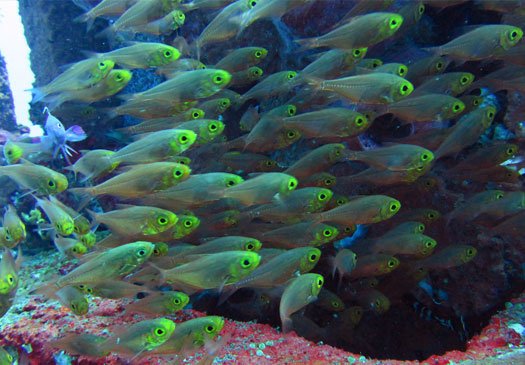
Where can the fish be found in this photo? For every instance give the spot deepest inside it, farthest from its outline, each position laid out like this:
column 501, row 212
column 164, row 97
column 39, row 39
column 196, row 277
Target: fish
column 467, row 131
column 449, row 257
column 78, row 76
column 82, row 224
column 212, row 271
column 398, row 157
column 81, row 344
column 70, row 247
column 139, row 338
column 363, row 31
column 105, row 8
column 13, row 227
column 60, row 220
column 36, row 178
column 141, row 12
column 329, row 301
column 474, row 205
column 300, row 234
column 273, row 85
column 94, row 164
column 162, row 303
column 206, row 129
column 288, row 208
column 343, row 263
column 418, row 245
column 300, row 292
column 163, row 26
column 212, row 108
column 487, row 156
column 8, row 273
column 334, row 63
column 425, row 67
column 74, row 299
column 197, row 190
column 134, row 220
column 5, row 357
column 15, row 151
column 373, row 300
column 361, row 210
column 188, row 86
column 248, row 162
column 246, row 77
column 449, row 83
column 191, row 334
column 374, row 265
column 112, row 289
column 427, row 107
column 321, row 179
column 158, row 124
column 393, row 68
column 317, row 160
column 156, row 146
column 139, row 180
column 241, row 59
column 329, row 123
column 115, row 81
column 141, row 55
column 372, row 88
column 481, row 43
column 111, row 264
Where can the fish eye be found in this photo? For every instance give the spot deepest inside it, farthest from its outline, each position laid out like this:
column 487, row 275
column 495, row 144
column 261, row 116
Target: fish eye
column 402, row 70
column 217, row 79
column 183, row 139
column 291, row 75
column 168, row 53
column 394, row 206
column 212, row 127
column 312, row 257
column 230, row 183
column 393, row 23
column 429, row 244
column 320, row 282
column 292, row 184
column 470, row 252
column 252, row 3
column 359, row 121
column 421, row 9
column 258, row 54
column 327, row 233
column 340, row 202
column 181, row 15
column 160, row 332
column 375, row 64
column 224, row 103
column 269, row 163
column 328, row 181
column 464, row 80
column 510, row 151
column 255, row 72
column 51, row 183
column 292, row 110
column 250, row 246
column 176, row 301
column 118, row 77
column 102, row 65
column 335, row 304
column 9, row 357
column 490, row 114
column 141, row 252
column 210, row 328
column 513, row 35
column 391, row 263
column 246, row 263
column 75, row 229
column 475, row 102
column 291, row 134
column 348, row 229
column 195, row 115
column 162, row 221
column 425, row 156
column 439, row 65
column 404, row 89
column 9, row 152
column 74, row 307
column 10, row 278
column 177, row 173
column 356, row 52
column 431, row 215
column 322, row 196
column 420, row 228
column 456, row 107
column 188, row 223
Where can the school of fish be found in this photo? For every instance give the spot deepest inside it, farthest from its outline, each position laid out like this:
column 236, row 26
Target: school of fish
column 234, row 177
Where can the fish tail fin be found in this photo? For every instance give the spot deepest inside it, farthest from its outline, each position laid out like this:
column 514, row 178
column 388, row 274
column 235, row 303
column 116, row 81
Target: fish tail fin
column 226, row 293
column 73, row 170
column 85, row 18
column 287, row 324
column 38, row 94
column 307, row 43
column 162, row 272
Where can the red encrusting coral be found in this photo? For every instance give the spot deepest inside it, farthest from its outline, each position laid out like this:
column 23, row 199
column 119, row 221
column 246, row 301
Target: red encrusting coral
column 247, row 343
